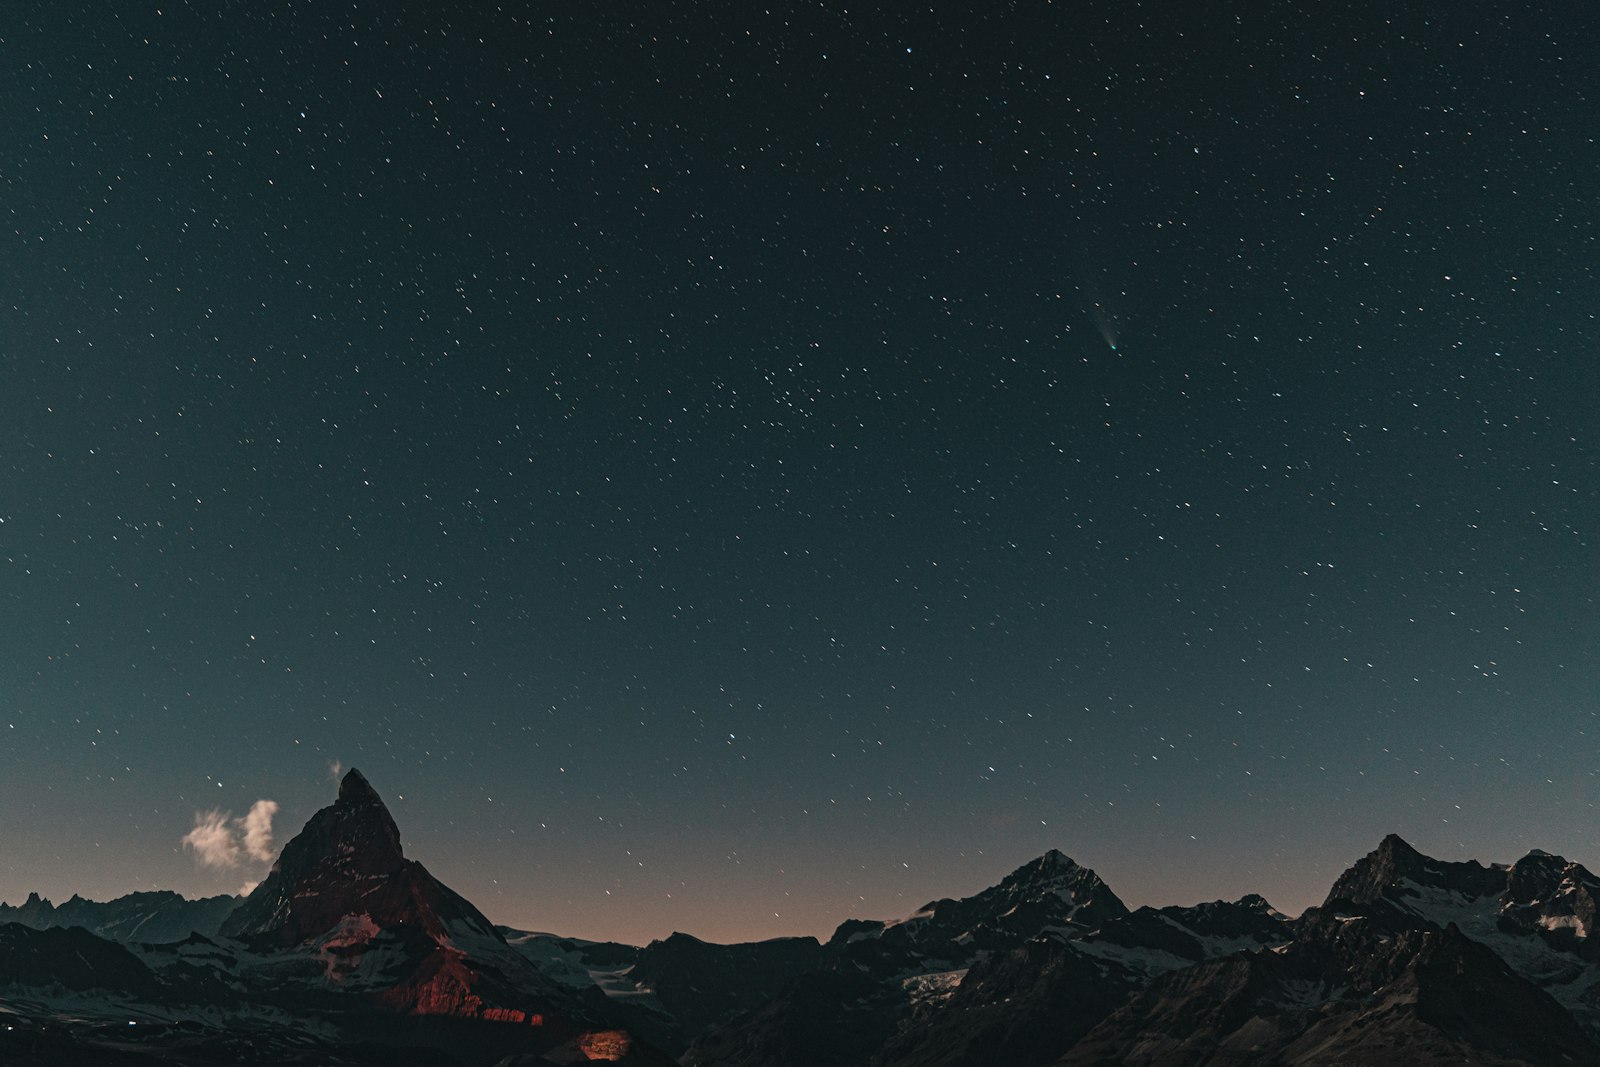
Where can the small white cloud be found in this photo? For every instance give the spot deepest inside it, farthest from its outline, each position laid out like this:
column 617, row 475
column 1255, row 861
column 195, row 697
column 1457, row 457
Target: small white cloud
column 221, row 841
column 335, row 768
column 246, row 889
column 257, row 827
column 213, row 839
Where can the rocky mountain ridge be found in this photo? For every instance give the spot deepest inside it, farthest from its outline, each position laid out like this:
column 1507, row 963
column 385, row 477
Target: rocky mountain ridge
column 348, row 952
column 150, row 916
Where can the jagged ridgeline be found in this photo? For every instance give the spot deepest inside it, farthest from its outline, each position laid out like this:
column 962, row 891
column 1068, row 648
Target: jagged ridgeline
column 347, row 952
column 350, row 953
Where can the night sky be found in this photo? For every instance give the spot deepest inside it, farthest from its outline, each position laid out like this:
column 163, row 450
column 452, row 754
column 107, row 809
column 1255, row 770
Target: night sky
column 731, row 470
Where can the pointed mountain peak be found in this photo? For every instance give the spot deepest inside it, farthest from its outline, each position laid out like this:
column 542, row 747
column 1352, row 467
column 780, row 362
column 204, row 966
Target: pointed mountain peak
column 1056, row 876
column 34, row 909
column 1049, row 867
column 343, row 900
column 1394, row 871
column 1377, row 873
column 350, row 843
column 1050, row 892
column 1054, row 873
column 1395, row 845
column 355, row 789
column 678, row 937
column 362, row 819
column 1395, row 858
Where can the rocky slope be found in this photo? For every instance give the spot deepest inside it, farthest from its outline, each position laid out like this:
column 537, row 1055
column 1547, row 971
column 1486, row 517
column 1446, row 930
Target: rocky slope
column 1410, row 960
column 883, row 986
column 1344, row 992
column 1032, row 1003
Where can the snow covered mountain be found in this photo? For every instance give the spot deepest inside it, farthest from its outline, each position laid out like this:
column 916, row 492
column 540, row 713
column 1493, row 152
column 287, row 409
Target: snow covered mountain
column 1411, row 960
column 350, row 953
column 1052, row 893
column 1343, row 992
column 1537, row 914
column 883, row 985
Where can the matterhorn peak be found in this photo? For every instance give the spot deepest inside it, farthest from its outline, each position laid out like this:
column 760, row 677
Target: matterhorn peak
column 355, row 789
column 342, row 894
column 344, row 850
column 360, row 820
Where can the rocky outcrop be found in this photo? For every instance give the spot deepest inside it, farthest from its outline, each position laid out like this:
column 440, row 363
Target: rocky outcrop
column 1345, row 992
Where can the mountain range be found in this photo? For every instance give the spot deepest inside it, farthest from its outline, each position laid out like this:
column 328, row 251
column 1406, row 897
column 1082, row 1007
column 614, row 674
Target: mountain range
column 348, row 953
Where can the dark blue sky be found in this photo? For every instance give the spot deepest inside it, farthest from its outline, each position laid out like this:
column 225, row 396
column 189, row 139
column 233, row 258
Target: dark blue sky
column 681, row 457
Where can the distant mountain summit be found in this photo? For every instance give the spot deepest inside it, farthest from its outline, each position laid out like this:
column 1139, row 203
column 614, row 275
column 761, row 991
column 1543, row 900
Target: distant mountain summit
column 1054, row 888
column 882, row 983
column 1538, row 914
column 1051, row 893
column 1557, row 899
column 1410, row 960
column 1394, row 871
column 150, row 917
column 348, row 862
column 344, row 901
column 351, row 953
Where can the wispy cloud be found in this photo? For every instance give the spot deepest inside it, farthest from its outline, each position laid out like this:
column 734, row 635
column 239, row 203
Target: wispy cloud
column 257, row 826
column 213, row 839
column 223, row 842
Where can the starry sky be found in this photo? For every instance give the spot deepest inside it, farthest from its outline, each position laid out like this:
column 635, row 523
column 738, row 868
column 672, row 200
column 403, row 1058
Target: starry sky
column 734, row 469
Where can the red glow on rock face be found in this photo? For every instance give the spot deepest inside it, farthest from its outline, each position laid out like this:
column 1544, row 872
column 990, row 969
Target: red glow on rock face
column 604, row 1044
column 445, row 988
column 512, row 1015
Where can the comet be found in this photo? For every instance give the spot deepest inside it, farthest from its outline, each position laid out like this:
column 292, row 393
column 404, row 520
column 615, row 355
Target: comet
column 1106, row 323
